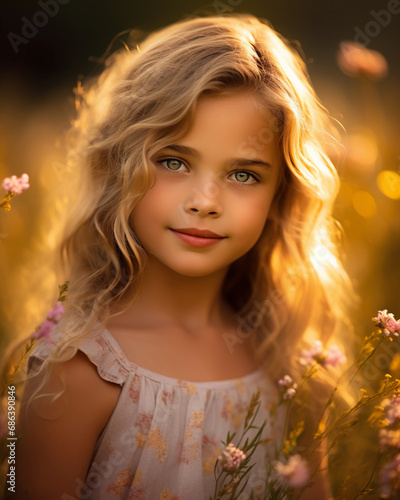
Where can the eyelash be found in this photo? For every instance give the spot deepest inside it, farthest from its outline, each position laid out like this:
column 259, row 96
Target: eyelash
column 162, row 161
column 251, row 174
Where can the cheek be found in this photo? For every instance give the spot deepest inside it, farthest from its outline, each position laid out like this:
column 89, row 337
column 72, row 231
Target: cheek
column 150, row 207
column 253, row 215
column 143, row 213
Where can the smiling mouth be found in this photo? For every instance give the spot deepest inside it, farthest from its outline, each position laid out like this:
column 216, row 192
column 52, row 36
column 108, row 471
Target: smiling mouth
column 197, row 237
column 200, row 233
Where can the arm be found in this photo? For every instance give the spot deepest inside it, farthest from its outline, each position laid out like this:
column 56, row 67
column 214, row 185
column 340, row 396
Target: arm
column 57, row 439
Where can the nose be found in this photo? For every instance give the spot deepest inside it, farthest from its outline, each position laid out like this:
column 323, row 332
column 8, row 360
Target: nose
column 204, row 200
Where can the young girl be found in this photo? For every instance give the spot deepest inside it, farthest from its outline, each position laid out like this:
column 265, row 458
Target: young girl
column 201, row 258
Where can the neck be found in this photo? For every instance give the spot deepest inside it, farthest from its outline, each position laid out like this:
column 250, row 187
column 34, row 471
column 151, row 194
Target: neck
column 172, row 299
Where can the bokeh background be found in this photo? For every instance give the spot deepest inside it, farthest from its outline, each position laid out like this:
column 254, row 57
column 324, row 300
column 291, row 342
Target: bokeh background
column 39, row 72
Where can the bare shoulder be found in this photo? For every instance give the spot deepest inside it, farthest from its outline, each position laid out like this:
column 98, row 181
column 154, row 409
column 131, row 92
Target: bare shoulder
column 78, row 383
column 57, row 435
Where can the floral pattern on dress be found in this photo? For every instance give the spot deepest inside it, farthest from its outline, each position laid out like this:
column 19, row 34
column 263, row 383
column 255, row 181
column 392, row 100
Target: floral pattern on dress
column 134, row 388
column 123, row 480
column 168, row 495
column 143, row 423
column 190, row 448
column 166, row 398
column 190, row 388
column 234, row 411
column 155, row 441
column 164, row 435
column 138, row 489
column 211, row 450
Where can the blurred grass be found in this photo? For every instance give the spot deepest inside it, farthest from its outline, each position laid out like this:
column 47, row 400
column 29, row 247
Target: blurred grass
column 29, row 136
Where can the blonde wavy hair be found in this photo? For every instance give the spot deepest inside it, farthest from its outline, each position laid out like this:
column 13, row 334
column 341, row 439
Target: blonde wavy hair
column 146, row 98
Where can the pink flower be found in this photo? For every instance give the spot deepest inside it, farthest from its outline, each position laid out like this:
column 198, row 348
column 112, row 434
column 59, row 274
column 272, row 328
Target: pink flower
column 46, row 328
column 389, row 438
column 56, row 312
column 333, row 356
column 16, row 184
column 387, row 323
column 286, row 381
column 392, row 409
column 289, row 387
column 290, row 393
column 390, row 479
column 355, row 60
column 231, row 457
column 295, row 472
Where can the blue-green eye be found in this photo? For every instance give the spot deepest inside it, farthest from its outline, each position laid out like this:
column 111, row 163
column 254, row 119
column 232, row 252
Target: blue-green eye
column 244, row 177
column 172, row 164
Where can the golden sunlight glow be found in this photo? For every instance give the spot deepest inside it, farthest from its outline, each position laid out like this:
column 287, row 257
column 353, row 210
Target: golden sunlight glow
column 388, row 182
column 324, row 261
column 364, row 204
column 395, row 366
column 362, row 151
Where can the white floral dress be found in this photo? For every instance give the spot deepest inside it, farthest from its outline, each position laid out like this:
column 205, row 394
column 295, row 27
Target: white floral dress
column 165, row 435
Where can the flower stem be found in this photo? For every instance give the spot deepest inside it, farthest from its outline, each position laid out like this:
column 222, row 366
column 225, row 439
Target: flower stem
column 365, row 489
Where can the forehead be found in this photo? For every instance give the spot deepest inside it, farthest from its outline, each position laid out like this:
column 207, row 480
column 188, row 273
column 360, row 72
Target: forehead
column 232, row 124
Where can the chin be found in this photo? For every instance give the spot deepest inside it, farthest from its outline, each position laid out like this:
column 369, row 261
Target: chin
column 195, row 269
column 191, row 272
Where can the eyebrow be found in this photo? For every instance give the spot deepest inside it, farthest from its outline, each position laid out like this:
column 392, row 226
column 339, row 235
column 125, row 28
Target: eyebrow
column 179, row 148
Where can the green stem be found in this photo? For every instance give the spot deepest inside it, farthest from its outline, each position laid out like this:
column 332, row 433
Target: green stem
column 365, row 360
column 6, row 201
column 333, row 394
column 363, row 492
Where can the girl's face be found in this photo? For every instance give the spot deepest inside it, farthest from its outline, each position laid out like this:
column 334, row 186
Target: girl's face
column 213, row 188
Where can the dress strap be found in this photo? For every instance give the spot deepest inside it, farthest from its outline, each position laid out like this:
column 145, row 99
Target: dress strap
column 101, row 349
column 104, row 352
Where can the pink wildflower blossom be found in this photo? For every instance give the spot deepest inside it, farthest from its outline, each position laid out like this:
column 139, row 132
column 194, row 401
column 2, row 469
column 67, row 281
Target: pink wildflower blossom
column 289, row 387
column 355, row 60
column 387, row 323
column 332, row 356
column 231, row 457
column 295, row 473
column 290, row 393
column 45, row 330
column 392, row 409
column 16, row 184
column 286, row 381
column 389, row 438
column 390, row 479
column 56, row 312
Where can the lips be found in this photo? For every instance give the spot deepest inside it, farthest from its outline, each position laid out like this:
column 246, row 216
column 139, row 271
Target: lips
column 197, row 238
column 201, row 233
